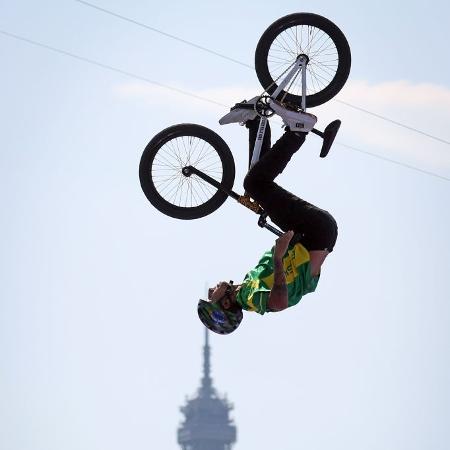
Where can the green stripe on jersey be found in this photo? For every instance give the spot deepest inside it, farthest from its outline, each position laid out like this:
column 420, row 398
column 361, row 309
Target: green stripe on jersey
column 254, row 292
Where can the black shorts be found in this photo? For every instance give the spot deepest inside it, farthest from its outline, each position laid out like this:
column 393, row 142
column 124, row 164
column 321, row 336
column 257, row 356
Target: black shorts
column 314, row 228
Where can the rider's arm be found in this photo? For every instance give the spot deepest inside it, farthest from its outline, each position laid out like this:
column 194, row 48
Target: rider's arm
column 278, row 297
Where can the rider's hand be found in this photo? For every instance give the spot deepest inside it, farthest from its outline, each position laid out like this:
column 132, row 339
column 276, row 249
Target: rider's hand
column 282, row 243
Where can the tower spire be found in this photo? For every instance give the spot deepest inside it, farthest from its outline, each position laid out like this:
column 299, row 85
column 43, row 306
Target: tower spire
column 207, row 424
column 206, row 389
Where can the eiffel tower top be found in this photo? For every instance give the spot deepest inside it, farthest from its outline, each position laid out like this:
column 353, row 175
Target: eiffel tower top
column 206, row 416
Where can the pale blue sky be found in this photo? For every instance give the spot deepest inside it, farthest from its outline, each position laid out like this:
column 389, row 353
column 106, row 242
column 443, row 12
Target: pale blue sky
column 91, row 273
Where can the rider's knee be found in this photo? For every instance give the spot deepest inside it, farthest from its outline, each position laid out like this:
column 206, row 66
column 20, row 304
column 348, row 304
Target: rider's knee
column 328, row 229
column 252, row 183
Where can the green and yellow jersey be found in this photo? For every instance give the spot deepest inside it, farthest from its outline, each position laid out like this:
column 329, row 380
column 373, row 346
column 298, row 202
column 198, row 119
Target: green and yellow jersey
column 254, row 292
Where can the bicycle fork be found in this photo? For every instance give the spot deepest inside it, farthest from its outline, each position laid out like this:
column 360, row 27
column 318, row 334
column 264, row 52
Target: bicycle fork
column 300, row 64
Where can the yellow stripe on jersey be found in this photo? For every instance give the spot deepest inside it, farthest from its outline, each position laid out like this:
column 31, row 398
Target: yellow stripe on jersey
column 294, row 258
column 254, row 284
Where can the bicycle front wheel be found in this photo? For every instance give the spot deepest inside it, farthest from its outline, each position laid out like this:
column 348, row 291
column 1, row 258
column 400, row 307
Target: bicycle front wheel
column 162, row 179
column 304, row 34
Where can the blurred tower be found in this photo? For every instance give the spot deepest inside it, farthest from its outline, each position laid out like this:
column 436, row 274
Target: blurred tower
column 206, row 425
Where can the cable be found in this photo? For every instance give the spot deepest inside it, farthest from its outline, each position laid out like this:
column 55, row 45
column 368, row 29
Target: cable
column 148, row 27
column 393, row 161
column 180, row 91
column 394, row 122
column 105, row 66
column 378, row 116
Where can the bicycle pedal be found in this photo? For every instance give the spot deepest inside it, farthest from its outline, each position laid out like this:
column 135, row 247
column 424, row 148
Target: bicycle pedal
column 243, row 106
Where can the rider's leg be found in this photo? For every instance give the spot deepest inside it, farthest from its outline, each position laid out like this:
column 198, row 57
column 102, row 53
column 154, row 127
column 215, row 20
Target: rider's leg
column 271, row 163
column 315, row 228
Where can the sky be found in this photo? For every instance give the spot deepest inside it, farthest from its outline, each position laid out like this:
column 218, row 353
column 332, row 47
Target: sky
column 99, row 337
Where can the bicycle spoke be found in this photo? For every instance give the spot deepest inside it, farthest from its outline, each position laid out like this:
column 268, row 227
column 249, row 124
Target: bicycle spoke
column 168, row 153
column 202, row 185
column 320, row 78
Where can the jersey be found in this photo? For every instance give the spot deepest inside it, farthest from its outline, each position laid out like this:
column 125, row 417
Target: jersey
column 253, row 294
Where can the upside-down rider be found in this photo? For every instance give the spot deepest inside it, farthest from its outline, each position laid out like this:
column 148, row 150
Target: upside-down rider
column 291, row 269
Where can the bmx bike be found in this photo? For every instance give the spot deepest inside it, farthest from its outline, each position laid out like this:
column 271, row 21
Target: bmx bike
column 302, row 60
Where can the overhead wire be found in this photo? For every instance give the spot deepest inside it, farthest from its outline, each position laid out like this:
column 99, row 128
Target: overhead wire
column 393, row 161
column 394, row 122
column 221, row 55
column 108, row 67
column 180, row 91
column 156, row 30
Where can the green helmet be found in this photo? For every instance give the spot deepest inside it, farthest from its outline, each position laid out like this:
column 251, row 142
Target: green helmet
column 217, row 319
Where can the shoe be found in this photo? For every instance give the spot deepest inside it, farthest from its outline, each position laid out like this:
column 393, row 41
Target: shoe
column 295, row 120
column 240, row 112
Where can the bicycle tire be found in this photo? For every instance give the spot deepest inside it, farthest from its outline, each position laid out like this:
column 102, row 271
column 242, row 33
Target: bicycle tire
column 325, row 89
column 175, row 194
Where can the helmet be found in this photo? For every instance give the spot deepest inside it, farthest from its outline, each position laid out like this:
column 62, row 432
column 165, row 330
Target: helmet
column 217, row 319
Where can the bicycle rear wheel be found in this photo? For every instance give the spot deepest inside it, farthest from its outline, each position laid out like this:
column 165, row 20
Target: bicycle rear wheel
column 314, row 36
column 162, row 180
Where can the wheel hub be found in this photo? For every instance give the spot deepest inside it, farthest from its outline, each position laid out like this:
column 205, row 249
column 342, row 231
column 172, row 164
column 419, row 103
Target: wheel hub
column 304, row 57
column 186, row 171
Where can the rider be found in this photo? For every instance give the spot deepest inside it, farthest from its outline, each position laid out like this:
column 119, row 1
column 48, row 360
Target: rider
column 291, row 268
